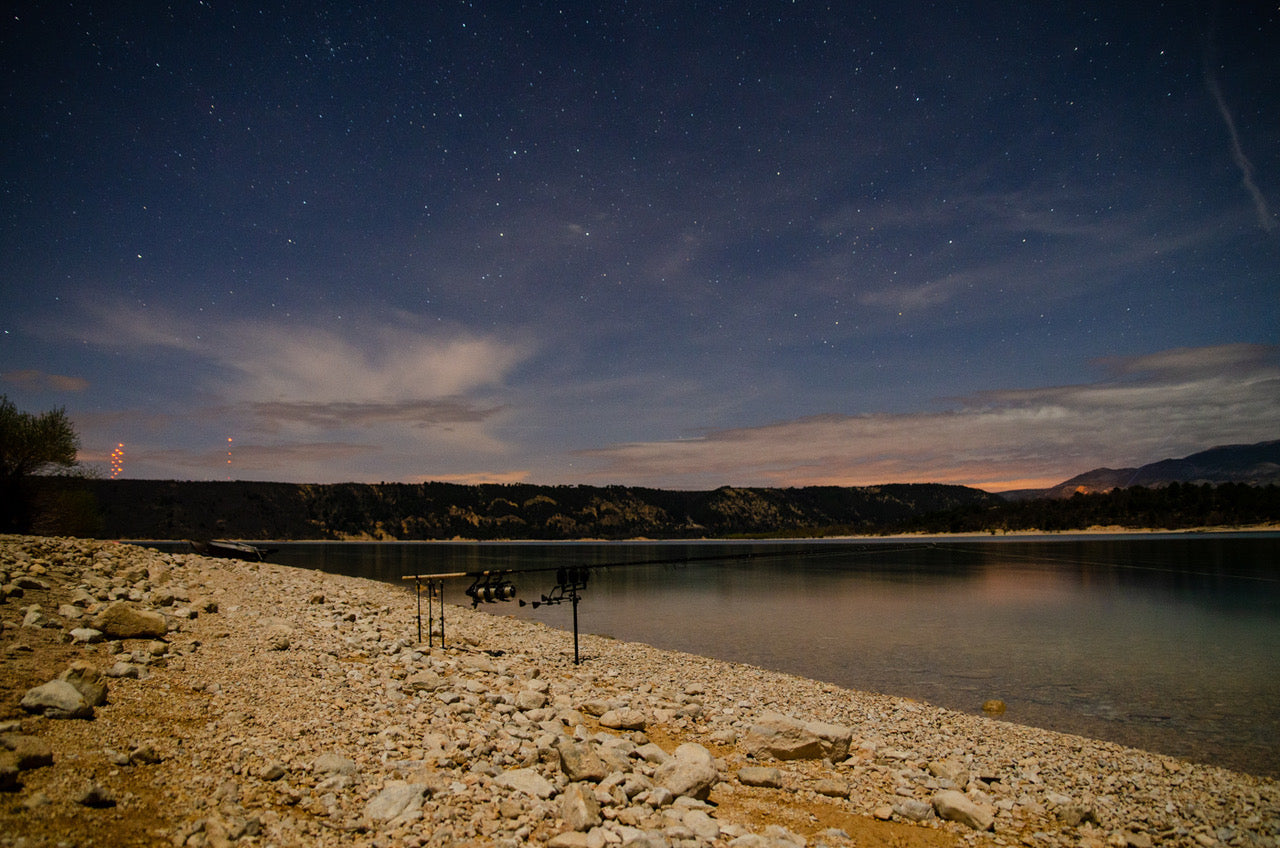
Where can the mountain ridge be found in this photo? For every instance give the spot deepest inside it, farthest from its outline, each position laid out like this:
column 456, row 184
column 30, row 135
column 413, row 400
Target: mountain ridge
column 1256, row 464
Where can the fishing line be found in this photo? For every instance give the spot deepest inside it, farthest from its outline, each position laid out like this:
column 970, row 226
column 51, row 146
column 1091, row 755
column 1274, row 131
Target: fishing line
column 837, row 550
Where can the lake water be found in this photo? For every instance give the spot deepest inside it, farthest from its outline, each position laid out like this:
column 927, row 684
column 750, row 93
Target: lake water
column 1169, row 643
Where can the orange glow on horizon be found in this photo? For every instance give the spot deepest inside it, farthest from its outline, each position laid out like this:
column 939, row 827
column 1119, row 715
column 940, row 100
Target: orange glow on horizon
column 995, row 485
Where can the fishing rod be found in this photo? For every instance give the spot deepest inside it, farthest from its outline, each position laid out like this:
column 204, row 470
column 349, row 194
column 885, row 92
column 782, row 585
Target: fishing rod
column 495, row 585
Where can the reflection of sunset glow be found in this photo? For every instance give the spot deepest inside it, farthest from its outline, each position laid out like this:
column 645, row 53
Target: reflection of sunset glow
column 996, row 485
column 117, row 461
column 1016, row 586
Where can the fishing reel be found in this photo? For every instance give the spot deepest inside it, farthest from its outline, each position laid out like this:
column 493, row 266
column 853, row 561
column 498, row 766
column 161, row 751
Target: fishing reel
column 569, row 582
column 490, row 588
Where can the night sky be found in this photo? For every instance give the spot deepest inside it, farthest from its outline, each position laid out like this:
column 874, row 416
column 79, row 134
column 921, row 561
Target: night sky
column 671, row 244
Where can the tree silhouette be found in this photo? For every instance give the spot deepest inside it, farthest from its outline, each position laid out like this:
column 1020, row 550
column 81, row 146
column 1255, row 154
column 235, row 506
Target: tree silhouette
column 29, row 445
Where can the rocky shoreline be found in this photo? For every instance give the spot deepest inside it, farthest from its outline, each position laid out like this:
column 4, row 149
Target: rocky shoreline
column 159, row 699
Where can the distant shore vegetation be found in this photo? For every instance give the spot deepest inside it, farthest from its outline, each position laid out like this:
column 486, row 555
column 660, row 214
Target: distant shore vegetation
column 158, row 509
column 1177, row 506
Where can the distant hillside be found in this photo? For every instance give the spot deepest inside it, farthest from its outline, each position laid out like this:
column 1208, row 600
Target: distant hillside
column 165, row 509
column 1255, row 465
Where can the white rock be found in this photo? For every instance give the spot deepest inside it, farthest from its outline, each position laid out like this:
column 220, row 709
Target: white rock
column 760, row 776
column 88, row 682
column 579, row 808
column 624, row 719
column 526, row 780
column 702, row 825
column 691, row 772
column 57, row 699
column 333, row 764
column 785, row 738
column 398, row 801
column 86, row 636
column 954, row 806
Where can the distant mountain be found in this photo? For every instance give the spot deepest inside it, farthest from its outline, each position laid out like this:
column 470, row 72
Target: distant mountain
column 1256, row 465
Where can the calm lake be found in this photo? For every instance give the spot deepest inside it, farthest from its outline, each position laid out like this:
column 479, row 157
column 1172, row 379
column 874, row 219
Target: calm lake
column 1164, row 642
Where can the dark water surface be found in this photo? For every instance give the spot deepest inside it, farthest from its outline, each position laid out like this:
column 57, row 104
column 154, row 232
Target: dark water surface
column 1166, row 642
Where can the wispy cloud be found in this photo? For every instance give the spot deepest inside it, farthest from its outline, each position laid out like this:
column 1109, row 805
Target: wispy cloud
column 392, row 361
column 1167, row 404
column 32, row 380
column 425, row 413
column 1266, row 220
column 283, row 458
column 304, row 397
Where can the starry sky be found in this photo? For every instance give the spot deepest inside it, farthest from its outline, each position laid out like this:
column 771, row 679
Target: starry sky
column 671, row 244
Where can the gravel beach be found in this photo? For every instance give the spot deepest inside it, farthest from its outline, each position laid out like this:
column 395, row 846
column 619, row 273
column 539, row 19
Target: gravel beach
column 149, row 698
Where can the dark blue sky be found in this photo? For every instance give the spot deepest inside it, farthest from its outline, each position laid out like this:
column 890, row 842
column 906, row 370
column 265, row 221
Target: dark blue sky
column 671, row 244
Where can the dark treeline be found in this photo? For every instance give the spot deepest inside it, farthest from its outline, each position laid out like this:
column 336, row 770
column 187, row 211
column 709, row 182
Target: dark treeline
column 158, row 509
column 1178, row 506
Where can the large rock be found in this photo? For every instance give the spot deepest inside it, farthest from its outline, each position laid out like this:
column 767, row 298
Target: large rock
column 332, row 763
column 423, row 681
column 913, row 809
column 96, row 795
column 527, row 781
column 88, row 682
column 530, row 699
column 836, row 739
column 703, row 826
column 770, row 778
column 623, row 719
column 832, row 788
column 126, row 669
column 952, row 770
column 579, row 808
column 690, row 773
column 579, row 761
column 955, row 806
column 57, row 699
column 29, row 752
column 398, row 802
column 86, row 636
column 123, row 621
column 786, row 738
column 278, row 637
column 146, row 754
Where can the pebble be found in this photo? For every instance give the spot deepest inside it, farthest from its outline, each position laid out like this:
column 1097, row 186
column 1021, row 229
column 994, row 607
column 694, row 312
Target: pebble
column 95, row 795
column 316, row 718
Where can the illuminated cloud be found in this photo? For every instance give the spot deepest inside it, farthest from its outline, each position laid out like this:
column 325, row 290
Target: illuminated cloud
column 40, row 381
column 389, row 368
column 309, row 401
column 427, row 413
column 501, row 478
column 1182, row 401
